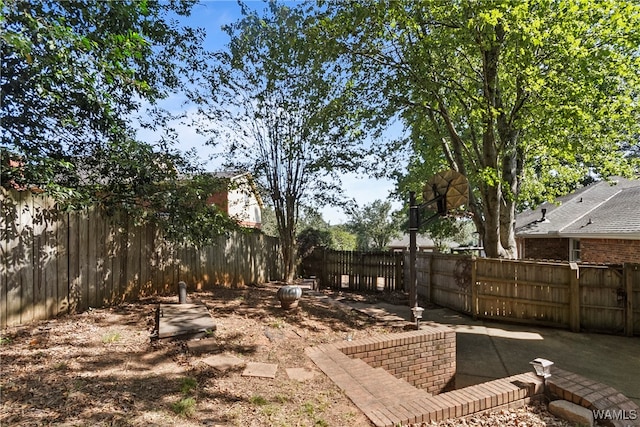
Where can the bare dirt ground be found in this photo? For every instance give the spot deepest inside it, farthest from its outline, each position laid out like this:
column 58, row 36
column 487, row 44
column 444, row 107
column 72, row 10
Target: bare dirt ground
column 101, row 368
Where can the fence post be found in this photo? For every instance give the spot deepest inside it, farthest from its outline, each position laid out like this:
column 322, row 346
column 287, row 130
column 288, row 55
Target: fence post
column 574, row 297
column 474, row 288
column 324, row 276
column 399, row 267
column 414, row 224
column 430, row 266
column 627, row 271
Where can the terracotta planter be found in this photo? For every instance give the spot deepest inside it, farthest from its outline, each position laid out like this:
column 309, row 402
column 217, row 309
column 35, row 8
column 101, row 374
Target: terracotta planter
column 288, row 296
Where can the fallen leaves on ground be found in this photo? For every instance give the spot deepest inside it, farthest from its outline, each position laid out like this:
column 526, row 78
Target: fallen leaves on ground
column 101, row 367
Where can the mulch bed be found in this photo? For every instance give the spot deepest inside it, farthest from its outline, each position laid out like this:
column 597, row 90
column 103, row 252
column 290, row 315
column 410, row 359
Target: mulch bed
column 102, row 367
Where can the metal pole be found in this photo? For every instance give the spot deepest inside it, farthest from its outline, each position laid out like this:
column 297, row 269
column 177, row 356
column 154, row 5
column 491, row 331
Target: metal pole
column 182, row 292
column 413, row 231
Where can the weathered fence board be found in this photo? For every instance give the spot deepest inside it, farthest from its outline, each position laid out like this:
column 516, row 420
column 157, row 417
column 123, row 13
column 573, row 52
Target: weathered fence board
column 354, row 270
column 522, row 291
column 55, row 262
column 631, row 278
column 577, row 297
column 443, row 278
column 602, row 299
column 580, row 296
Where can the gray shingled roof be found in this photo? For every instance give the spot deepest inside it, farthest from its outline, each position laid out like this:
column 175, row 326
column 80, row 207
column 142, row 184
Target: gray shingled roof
column 602, row 209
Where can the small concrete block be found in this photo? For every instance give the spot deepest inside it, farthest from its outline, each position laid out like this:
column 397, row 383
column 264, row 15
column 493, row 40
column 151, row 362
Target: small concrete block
column 571, row 412
column 263, row 370
column 223, row 362
column 183, row 319
column 300, row 374
column 203, row 346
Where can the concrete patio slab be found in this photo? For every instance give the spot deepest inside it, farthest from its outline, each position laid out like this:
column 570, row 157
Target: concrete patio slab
column 488, row 350
column 203, row 346
column 262, row 370
column 183, row 319
column 224, row 362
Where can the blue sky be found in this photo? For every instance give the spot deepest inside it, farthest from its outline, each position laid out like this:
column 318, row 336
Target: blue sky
column 212, row 15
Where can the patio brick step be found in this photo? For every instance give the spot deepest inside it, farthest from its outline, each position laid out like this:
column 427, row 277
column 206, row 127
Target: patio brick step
column 363, row 384
column 389, row 401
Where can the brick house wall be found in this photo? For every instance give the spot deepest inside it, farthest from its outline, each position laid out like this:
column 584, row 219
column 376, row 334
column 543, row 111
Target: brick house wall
column 551, row 249
column 220, row 200
column 240, row 204
column 609, row 251
column 597, row 251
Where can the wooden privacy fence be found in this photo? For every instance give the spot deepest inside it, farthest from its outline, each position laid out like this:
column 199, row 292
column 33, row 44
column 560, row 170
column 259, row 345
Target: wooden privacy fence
column 56, row 262
column 576, row 296
column 361, row 271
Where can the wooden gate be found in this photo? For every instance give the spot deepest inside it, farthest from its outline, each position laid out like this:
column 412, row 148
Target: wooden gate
column 602, row 299
column 355, row 270
column 523, row 291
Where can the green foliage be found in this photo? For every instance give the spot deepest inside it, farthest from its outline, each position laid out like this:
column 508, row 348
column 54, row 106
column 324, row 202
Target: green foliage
column 526, row 99
column 311, row 218
column 258, row 400
column 74, row 77
column 282, row 399
column 342, row 239
column 111, row 337
column 188, row 385
column 374, row 225
column 61, row 366
column 450, row 229
column 185, row 407
column 272, row 102
column 73, row 73
column 182, row 209
column 316, row 232
column 278, row 324
column 311, row 238
column 269, row 222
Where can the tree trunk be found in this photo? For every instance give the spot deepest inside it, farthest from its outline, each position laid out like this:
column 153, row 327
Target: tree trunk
column 286, row 230
column 492, row 196
column 499, row 202
column 508, row 207
column 507, row 230
column 289, row 258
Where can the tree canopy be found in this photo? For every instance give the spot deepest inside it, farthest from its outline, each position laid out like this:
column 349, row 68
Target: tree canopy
column 272, row 105
column 74, row 76
column 374, row 225
column 525, row 98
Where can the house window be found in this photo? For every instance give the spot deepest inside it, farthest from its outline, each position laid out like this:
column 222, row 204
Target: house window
column 574, row 250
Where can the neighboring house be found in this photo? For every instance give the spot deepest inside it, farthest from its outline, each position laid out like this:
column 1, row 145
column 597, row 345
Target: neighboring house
column 241, row 201
column 599, row 223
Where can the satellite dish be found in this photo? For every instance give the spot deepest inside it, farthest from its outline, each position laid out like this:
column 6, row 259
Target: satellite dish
column 449, row 188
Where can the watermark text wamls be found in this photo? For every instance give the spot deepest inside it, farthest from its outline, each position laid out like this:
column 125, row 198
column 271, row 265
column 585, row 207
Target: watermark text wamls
column 615, row 414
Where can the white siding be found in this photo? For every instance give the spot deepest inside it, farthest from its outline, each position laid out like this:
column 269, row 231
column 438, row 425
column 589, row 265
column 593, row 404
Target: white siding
column 243, row 204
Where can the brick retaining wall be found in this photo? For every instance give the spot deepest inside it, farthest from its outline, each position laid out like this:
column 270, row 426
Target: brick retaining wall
column 425, row 358
column 387, row 400
column 609, row 406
